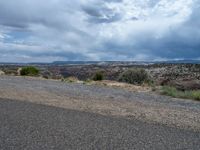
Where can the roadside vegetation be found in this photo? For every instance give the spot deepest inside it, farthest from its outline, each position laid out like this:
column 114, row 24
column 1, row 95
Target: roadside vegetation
column 173, row 92
column 135, row 76
column 98, row 76
column 29, row 71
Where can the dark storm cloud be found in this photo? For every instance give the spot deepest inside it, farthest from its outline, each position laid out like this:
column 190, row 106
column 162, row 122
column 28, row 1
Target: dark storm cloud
column 23, row 13
column 38, row 54
column 181, row 41
column 99, row 13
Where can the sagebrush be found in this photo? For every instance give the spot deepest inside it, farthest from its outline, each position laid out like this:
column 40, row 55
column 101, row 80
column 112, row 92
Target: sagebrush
column 98, row 76
column 29, row 71
column 134, row 76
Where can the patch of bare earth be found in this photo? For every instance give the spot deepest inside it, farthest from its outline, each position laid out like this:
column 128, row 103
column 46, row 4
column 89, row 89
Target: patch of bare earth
column 102, row 100
column 126, row 86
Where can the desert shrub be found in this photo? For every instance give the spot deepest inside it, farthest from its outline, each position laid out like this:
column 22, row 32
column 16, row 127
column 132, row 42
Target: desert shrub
column 169, row 91
column 47, row 75
column 29, row 71
column 10, row 70
column 196, row 95
column 173, row 92
column 98, row 76
column 134, row 76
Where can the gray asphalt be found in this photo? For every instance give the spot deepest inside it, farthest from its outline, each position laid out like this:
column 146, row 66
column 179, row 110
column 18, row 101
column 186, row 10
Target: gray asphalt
column 28, row 126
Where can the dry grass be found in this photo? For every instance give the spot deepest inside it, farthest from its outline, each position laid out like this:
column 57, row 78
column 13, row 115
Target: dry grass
column 70, row 80
column 125, row 86
column 171, row 91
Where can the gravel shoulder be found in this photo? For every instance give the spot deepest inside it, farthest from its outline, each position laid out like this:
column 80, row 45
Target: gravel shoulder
column 107, row 101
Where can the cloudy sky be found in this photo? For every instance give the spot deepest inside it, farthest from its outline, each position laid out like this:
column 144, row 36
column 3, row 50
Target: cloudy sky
column 52, row 30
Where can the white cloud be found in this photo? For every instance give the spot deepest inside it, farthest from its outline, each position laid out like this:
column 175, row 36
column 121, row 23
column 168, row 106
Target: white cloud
column 98, row 30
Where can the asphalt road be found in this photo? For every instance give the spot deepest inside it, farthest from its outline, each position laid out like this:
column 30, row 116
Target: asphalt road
column 29, row 126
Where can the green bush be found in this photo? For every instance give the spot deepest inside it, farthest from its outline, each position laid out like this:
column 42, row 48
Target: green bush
column 29, row 71
column 171, row 91
column 98, row 76
column 196, row 95
column 134, row 76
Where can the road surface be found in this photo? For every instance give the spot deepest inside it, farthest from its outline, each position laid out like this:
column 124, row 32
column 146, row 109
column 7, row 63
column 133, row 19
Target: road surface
column 40, row 114
column 25, row 125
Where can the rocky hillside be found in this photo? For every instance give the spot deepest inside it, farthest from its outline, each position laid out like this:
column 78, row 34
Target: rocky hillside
column 161, row 73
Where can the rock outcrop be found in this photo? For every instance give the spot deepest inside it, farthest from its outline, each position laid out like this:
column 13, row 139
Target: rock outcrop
column 2, row 73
